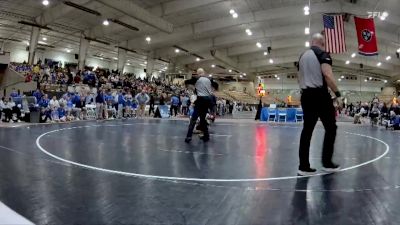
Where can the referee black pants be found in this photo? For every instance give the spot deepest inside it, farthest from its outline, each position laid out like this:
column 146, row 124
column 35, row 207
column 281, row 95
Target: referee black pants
column 317, row 103
column 201, row 107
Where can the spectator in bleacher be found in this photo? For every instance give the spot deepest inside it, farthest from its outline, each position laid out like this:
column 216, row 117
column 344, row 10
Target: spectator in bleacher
column 142, row 99
column 14, row 93
column 38, row 95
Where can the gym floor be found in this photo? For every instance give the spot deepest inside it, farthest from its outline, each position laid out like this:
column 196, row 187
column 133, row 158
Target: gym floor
column 142, row 172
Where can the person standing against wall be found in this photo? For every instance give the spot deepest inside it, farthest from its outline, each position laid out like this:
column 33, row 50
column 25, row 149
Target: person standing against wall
column 315, row 76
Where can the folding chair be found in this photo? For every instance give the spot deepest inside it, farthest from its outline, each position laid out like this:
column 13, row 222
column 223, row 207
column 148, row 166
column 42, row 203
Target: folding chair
column 299, row 115
column 282, row 113
column 271, row 114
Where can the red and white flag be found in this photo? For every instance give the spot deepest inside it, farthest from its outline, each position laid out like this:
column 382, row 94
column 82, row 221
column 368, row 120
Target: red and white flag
column 335, row 41
column 367, row 44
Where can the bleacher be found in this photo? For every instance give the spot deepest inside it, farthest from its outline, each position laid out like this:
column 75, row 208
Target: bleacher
column 242, row 97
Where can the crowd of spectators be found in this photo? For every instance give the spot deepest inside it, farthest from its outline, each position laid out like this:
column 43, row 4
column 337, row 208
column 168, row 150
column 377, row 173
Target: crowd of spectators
column 376, row 112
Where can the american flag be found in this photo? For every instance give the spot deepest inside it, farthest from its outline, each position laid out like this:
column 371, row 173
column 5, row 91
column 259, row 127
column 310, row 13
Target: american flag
column 334, row 34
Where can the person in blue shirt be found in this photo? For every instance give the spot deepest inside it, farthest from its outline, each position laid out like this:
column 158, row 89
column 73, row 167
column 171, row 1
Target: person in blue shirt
column 62, row 114
column 14, row 93
column 38, row 95
column 174, row 105
column 45, row 111
column 121, row 103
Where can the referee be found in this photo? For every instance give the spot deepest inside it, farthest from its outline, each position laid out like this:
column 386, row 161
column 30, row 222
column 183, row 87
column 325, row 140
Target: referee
column 315, row 76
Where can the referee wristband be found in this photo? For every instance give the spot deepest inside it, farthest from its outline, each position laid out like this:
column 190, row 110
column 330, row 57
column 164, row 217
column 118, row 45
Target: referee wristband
column 337, row 93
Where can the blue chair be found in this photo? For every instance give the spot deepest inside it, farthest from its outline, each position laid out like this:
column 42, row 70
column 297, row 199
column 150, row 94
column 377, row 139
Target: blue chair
column 282, row 113
column 299, row 115
column 271, row 114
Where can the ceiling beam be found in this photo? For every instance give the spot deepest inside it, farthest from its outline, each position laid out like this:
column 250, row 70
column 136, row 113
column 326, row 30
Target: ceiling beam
column 135, row 11
column 51, row 14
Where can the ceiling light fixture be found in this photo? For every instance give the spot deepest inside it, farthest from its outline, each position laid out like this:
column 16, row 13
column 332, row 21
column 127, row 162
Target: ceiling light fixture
column 385, row 81
column 106, row 23
column 248, row 31
column 307, row 44
column 230, row 71
column 235, row 15
column 365, row 80
column 210, row 75
column 241, row 76
column 307, row 30
column 44, row 39
column 388, row 58
column 45, row 2
column 339, row 79
column 259, row 44
column 177, row 50
column 384, row 15
column 115, row 58
column 244, row 74
column 232, row 11
column 278, row 78
column 271, row 61
column 213, row 66
column 342, row 77
column 398, row 50
column 347, row 62
column 197, row 59
column 265, row 53
column 353, row 55
column 306, row 10
column 68, row 50
column 148, row 39
column 379, row 64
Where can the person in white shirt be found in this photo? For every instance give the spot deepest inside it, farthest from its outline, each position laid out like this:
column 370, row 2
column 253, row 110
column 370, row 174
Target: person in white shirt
column 54, row 105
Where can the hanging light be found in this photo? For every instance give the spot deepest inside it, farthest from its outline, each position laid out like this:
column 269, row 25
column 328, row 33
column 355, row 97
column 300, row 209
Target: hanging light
column 230, row 71
column 44, row 39
column 259, row 44
column 385, row 81
column 177, row 50
column 307, row 30
column 353, row 55
column 45, row 2
column 306, row 10
column 388, row 58
column 244, row 74
column 235, row 15
column 197, row 59
column 232, row 11
column 379, row 64
column 271, row 61
column 265, row 53
column 213, row 66
column 148, row 39
column 307, row 44
column 347, row 62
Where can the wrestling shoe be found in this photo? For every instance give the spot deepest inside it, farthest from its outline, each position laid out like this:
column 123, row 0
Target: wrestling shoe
column 331, row 168
column 306, row 172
